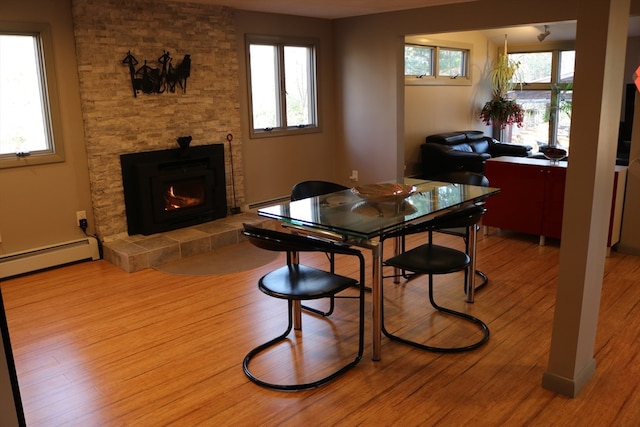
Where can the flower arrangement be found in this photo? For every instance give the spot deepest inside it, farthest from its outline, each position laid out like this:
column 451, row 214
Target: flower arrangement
column 502, row 112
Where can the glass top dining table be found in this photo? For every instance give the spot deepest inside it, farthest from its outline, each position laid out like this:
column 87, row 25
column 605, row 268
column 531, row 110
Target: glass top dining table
column 345, row 216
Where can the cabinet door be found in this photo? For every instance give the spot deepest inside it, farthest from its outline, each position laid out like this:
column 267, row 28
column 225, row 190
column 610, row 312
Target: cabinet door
column 555, row 178
column 519, row 205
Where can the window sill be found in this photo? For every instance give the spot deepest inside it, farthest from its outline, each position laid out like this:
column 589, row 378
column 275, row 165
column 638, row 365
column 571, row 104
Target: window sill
column 256, row 134
column 43, row 159
column 442, row 81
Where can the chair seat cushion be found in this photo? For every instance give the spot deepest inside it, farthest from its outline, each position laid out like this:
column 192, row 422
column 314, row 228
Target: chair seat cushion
column 430, row 259
column 301, row 282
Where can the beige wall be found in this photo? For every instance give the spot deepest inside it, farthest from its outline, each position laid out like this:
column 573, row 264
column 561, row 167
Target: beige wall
column 370, row 99
column 273, row 165
column 38, row 204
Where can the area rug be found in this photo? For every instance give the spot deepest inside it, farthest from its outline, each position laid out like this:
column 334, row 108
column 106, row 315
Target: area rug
column 226, row 260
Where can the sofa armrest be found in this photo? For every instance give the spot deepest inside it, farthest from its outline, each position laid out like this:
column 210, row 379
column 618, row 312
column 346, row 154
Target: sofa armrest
column 439, row 158
column 468, row 155
column 504, row 149
column 469, row 161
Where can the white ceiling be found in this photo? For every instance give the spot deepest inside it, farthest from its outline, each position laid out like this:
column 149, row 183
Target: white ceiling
column 329, row 9
column 333, row 9
column 559, row 31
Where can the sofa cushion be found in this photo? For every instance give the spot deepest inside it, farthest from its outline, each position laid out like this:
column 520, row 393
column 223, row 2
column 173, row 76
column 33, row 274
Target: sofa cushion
column 481, row 146
column 462, row 147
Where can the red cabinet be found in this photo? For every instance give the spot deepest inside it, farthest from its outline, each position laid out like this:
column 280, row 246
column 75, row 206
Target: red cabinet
column 519, row 205
column 531, row 196
column 554, row 179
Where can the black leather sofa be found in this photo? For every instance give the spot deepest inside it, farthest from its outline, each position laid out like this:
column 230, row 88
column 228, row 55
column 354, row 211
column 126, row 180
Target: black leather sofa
column 463, row 151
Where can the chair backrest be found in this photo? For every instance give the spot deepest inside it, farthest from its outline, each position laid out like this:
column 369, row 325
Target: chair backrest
column 278, row 241
column 465, row 216
column 305, row 189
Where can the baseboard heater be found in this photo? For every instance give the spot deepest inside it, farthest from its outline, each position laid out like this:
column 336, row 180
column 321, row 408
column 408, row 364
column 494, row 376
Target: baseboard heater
column 48, row 256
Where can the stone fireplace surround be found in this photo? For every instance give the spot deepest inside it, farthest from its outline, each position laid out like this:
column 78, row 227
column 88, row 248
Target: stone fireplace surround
column 116, row 122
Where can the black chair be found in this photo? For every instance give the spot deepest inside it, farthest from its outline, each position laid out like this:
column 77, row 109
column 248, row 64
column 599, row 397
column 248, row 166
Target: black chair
column 455, row 229
column 296, row 282
column 430, row 259
column 304, row 190
column 470, row 178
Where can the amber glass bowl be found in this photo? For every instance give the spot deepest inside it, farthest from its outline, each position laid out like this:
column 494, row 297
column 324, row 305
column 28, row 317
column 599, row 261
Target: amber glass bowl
column 384, row 193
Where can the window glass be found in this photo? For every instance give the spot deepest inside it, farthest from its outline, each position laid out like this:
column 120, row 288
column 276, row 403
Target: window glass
column 546, row 97
column 567, row 64
column 30, row 123
column 535, row 130
column 418, row 60
column 24, row 107
column 264, row 87
column 535, row 67
column 282, row 78
column 297, row 75
column 563, row 119
column 451, row 63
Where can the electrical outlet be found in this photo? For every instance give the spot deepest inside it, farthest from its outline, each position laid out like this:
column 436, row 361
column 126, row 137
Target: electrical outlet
column 80, row 215
column 0, row 238
column 354, row 175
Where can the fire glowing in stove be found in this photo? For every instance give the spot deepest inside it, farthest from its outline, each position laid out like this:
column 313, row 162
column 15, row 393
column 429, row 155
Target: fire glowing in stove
column 178, row 198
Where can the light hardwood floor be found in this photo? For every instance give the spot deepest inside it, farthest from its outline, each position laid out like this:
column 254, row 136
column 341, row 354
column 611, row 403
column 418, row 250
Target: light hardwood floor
column 96, row 346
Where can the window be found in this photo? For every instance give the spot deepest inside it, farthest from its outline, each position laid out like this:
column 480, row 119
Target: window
column 282, row 81
column 440, row 63
column 452, row 63
column 28, row 102
column 544, row 82
column 418, row 60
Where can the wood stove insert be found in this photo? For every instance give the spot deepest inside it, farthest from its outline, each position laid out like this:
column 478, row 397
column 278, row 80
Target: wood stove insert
column 169, row 189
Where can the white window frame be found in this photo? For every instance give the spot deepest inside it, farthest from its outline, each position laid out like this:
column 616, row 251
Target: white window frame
column 51, row 106
column 435, row 78
column 280, row 42
column 555, row 49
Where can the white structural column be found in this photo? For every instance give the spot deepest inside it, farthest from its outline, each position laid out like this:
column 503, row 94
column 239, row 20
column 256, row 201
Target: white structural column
column 600, row 54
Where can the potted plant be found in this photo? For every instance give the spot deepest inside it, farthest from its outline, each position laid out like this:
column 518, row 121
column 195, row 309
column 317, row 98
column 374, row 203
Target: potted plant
column 501, row 111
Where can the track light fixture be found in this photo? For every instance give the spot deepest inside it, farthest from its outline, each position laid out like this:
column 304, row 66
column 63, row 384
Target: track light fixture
column 544, row 35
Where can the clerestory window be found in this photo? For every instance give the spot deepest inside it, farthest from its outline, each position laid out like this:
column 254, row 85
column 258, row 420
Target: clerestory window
column 436, row 63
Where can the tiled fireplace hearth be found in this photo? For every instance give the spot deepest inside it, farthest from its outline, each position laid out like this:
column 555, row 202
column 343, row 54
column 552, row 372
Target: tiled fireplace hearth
column 137, row 252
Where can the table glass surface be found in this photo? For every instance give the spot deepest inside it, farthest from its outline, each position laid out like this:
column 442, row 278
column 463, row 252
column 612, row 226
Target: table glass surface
column 350, row 216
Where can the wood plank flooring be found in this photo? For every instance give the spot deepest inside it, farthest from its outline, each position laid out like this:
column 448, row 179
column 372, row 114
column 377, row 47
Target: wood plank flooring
column 96, row 346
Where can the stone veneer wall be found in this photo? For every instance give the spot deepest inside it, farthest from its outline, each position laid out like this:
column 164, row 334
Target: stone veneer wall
column 116, row 122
